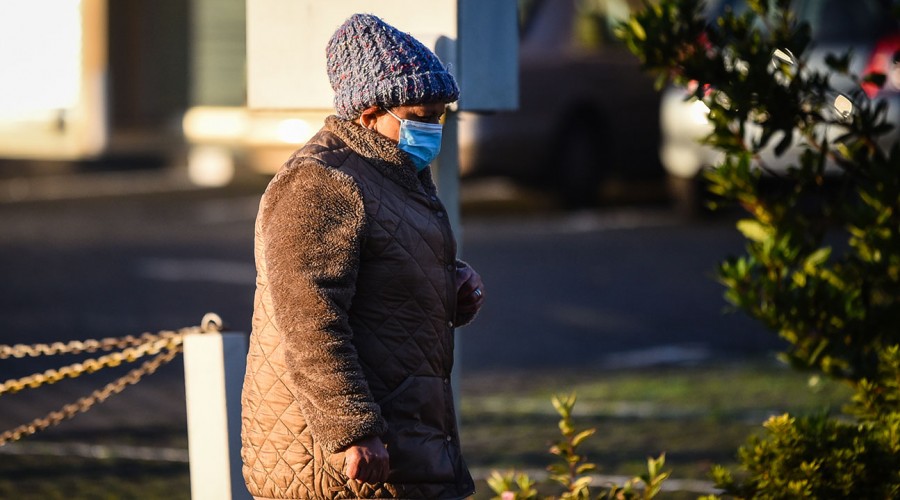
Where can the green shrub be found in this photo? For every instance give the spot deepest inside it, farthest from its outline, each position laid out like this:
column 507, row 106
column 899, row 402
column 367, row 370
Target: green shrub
column 825, row 275
column 817, row 457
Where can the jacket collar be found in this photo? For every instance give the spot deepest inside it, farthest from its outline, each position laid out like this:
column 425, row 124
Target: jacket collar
column 382, row 153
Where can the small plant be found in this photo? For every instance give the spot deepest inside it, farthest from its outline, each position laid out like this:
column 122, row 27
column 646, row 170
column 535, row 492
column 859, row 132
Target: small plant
column 652, row 483
column 573, row 471
column 512, row 485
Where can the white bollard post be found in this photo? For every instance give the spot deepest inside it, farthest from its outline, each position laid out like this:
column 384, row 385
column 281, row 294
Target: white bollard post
column 214, row 365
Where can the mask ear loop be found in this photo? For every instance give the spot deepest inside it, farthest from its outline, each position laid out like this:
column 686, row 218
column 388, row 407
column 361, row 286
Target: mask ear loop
column 392, row 114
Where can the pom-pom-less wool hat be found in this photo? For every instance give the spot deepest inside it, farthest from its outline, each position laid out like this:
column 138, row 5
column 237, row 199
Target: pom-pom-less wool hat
column 371, row 63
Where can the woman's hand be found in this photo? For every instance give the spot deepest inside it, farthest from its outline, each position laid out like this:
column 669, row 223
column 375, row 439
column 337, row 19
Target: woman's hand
column 469, row 293
column 367, row 460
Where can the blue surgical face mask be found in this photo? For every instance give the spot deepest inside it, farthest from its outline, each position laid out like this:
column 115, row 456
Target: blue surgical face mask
column 420, row 140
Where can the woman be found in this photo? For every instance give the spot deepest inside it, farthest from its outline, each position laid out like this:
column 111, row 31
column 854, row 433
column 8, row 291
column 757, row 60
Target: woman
column 347, row 392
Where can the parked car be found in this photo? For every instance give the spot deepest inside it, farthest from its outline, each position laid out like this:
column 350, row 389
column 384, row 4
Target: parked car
column 587, row 112
column 867, row 28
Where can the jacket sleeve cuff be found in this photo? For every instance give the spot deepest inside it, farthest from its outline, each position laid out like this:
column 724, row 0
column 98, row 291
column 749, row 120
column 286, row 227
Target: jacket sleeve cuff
column 350, row 431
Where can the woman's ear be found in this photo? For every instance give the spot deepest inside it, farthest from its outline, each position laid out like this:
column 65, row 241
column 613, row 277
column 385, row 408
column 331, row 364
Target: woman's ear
column 369, row 117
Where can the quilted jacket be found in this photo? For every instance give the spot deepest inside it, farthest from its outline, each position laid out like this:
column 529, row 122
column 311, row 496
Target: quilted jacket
column 352, row 325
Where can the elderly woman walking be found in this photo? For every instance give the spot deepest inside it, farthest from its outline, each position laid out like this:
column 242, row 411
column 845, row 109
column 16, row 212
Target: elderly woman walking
column 347, row 391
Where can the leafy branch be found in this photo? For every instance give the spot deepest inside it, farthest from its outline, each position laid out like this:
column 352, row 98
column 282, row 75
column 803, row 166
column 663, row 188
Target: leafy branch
column 572, row 470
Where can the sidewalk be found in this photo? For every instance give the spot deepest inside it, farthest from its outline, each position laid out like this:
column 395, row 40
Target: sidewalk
column 81, row 185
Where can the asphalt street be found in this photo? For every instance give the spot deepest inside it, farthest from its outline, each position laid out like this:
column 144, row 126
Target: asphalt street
column 593, row 290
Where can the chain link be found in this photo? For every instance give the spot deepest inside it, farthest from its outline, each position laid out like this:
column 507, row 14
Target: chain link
column 132, row 348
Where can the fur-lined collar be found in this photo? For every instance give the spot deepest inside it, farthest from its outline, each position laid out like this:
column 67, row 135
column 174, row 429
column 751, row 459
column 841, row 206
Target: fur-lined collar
column 382, row 153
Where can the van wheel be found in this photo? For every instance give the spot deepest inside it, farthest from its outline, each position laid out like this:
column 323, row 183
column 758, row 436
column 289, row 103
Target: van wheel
column 577, row 170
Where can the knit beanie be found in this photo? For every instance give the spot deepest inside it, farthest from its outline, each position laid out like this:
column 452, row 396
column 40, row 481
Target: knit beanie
column 371, row 63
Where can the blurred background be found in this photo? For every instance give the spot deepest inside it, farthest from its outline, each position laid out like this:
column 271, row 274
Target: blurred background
column 132, row 85
column 130, row 174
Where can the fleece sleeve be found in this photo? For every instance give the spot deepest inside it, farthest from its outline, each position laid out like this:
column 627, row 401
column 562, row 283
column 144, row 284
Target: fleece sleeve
column 312, row 223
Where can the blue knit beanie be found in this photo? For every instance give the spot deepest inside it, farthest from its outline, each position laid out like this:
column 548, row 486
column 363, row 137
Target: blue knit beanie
column 371, row 63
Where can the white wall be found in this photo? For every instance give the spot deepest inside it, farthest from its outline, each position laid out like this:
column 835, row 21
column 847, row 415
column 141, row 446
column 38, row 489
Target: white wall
column 286, row 41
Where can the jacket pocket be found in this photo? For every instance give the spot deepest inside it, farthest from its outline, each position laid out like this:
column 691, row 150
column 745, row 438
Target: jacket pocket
column 419, row 423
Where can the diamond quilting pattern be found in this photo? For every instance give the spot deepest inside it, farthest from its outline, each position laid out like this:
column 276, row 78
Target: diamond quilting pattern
column 272, row 435
column 409, row 242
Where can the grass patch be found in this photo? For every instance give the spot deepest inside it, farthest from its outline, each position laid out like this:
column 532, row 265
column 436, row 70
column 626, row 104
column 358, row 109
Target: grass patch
column 64, row 478
column 698, row 416
column 45, row 476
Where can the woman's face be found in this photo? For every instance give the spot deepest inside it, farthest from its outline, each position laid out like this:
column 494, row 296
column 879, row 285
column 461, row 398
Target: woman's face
column 377, row 119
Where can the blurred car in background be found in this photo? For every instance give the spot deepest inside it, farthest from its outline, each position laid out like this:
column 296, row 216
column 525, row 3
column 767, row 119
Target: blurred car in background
column 866, row 28
column 587, row 114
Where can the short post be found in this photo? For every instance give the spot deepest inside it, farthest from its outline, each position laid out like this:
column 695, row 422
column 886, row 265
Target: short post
column 214, row 365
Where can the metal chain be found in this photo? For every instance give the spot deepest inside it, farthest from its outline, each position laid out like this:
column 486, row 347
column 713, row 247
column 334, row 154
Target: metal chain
column 132, row 349
column 89, row 346
column 98, row 396
column 89, row 365
column 210, row 322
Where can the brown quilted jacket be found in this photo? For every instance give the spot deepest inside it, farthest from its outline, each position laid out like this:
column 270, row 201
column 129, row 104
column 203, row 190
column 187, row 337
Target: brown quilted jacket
column 352, row 326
